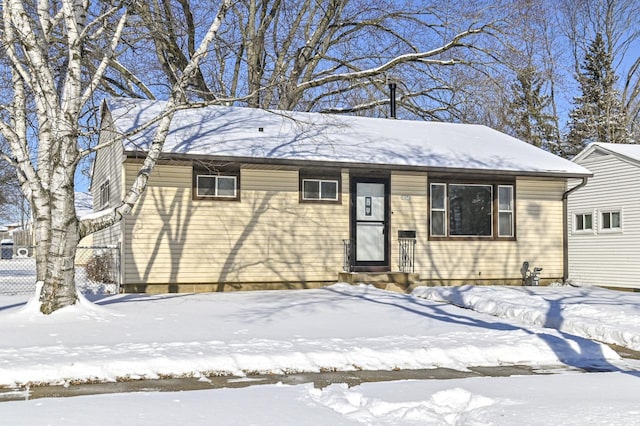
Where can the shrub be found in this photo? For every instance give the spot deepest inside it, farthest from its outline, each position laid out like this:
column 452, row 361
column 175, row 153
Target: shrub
column 100, row 268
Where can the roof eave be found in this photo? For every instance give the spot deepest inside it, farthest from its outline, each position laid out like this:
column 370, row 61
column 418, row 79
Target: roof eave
column 360, row 165
column 597, row 147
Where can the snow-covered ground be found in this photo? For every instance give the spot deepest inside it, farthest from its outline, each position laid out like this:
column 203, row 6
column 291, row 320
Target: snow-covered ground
column 335, row 328
column 591, row 312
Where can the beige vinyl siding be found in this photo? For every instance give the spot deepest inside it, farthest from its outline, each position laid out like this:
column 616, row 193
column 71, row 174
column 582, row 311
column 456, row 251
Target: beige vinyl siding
column 267, row 236
column 539, row 241
column 409, row 211
column 603, row 258
column 107, row 166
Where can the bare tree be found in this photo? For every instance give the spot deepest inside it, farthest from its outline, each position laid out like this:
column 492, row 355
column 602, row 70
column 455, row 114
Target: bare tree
column 328, row 56
column 58, row 54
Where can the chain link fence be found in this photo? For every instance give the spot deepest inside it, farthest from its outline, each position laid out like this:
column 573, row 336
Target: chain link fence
column 97, row 270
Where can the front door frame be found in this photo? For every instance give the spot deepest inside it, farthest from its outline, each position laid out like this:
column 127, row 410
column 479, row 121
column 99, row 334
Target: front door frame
column 370, row 266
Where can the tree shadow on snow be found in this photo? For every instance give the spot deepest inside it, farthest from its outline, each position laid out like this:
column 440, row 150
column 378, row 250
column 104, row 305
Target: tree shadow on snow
column 585, row 354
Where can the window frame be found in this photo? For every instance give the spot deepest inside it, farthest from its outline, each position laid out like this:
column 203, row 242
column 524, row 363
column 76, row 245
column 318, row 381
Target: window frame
column 320, row 178
column 610, row 229
column 511, row 211
column 583, row 214
column 443, row 209
column 215, row 172
column 105, row 194
column 495, row 209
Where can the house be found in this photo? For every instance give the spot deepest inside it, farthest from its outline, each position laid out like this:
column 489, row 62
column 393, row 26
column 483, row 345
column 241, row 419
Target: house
column 252, row 199
column 604, row 218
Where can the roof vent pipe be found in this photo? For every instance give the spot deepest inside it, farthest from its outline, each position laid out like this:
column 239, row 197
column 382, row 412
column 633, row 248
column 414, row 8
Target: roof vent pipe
column 392, row 99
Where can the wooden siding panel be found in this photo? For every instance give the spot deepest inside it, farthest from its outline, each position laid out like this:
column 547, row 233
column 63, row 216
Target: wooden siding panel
column 267, row 236
column 409, row 211
column 601, row 258
column 270, row 236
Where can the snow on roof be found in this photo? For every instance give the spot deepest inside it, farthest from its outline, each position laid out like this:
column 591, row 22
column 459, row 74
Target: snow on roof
column 631, row 151
column 288, row 136
column 84, row 203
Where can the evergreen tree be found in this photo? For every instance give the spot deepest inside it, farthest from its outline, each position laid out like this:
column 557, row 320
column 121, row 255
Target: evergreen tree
column 527, row 111
column 598, row 115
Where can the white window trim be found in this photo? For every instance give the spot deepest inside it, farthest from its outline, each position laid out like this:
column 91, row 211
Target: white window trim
column 105, row 194
column 574, row 223
column 444, row 209
column 216, row 195
column 512, row 211
column 320, row 182
column 617, row 230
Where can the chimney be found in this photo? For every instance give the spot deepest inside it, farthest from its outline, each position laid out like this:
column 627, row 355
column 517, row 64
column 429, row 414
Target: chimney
column 392, row 99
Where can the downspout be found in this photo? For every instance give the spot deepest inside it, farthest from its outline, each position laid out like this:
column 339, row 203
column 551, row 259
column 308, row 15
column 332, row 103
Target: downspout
column 565, row 229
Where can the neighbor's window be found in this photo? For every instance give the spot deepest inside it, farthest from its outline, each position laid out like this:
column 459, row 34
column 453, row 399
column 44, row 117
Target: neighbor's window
column 610, row 221
column 315, row 189
column 583, row 222
column 217, row 186
column 471, row 210
column 104, row 194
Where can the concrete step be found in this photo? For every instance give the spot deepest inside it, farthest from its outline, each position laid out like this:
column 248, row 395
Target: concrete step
column 401, row 282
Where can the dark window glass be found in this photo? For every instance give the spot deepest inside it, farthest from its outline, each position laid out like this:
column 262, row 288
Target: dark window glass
column 329, row 190
column 470, row 210
column 311, row 190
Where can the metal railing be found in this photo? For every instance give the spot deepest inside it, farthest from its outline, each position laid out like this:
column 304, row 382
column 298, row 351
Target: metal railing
column 406, row 254
column 97, row 270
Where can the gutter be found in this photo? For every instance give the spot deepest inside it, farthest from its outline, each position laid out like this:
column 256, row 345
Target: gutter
column 565, row 228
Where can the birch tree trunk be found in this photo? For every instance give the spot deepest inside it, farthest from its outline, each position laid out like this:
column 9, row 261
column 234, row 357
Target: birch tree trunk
column 48, row 46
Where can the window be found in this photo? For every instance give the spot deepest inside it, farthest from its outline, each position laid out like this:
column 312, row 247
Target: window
column 211, row 182
column 583, row 222
column 467, row 210
column 505, row 211
column 104, row 195
column 610, row 221
column 470, row 210
column 216, row 186
column 318, row 188
column 438, row 209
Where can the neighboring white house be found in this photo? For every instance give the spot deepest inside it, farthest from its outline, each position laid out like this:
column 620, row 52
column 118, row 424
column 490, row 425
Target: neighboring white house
column 604, row 218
